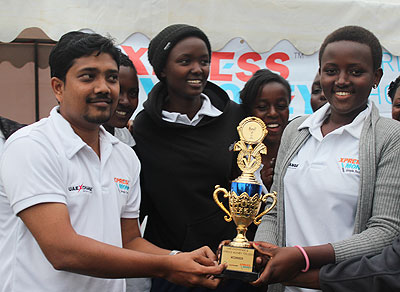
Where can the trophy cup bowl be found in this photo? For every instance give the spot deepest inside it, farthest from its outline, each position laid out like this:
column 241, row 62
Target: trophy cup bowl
column 245, row 199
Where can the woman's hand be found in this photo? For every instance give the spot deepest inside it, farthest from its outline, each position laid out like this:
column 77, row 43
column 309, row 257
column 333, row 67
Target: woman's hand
column 267, row 173
column 283, row 265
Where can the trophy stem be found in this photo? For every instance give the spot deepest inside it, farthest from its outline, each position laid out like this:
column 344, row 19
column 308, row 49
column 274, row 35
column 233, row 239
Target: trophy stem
column 240, row 240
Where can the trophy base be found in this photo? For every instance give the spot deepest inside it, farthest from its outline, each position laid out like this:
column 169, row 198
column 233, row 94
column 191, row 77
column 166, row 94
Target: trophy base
column 241, row 263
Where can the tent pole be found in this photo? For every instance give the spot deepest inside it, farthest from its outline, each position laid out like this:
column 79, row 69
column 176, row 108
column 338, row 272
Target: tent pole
column 36, row 81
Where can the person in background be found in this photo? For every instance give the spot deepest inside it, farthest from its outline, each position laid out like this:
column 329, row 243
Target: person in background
column 7, row 128
column 70, row 193
column 394, row 95
column 127, row 102
column 183, row 139
column 337, row 174
column 267, row 96
column 318, row 98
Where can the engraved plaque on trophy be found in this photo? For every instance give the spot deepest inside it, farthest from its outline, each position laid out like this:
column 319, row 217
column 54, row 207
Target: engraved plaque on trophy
column 245, row 200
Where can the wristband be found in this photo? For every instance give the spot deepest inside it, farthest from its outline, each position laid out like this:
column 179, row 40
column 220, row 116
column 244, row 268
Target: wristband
column 305, row 258
column 174, row 252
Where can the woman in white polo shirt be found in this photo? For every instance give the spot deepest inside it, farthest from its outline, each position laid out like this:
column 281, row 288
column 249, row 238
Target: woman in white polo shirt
column 337, row 173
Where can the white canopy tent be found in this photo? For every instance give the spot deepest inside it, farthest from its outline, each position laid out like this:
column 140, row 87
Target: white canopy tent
column 262, row 24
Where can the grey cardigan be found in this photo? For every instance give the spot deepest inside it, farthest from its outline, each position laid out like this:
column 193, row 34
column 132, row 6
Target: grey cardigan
column 378, row 208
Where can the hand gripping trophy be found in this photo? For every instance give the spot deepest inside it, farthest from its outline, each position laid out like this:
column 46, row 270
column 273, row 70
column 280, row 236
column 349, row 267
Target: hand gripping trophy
column 245, row 200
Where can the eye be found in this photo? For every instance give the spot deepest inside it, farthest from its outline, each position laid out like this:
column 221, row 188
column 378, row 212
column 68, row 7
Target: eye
column 86, row 77
column 356, row 72
column 184, row 62
column 316, row 91
column 330, row 71
column 133, row 93
column 205, row 62
column 113, row 78
column 282, row 106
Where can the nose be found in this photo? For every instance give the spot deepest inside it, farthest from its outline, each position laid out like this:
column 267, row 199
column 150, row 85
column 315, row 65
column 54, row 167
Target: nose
column 272, row 112
column 342, row 79
column 123, row 99
column 102, row 86
column 197, row 68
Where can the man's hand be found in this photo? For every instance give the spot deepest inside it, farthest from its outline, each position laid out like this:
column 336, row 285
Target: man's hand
column 284, row 263
column 196, row 268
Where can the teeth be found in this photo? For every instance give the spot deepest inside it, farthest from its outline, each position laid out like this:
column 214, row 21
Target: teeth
column 273, row 125
column 121, row 113
column 342, row 93
column 194, row 81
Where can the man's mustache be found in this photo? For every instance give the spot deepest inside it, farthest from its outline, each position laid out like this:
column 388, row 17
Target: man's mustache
column 99, row 98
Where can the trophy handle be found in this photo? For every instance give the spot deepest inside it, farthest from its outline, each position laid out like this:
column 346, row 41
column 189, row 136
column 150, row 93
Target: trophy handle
column 264, row 199
column 226, row 194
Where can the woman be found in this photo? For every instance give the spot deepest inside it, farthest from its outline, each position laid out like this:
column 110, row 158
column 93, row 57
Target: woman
column 394, row 95
column 183, row 137
column 267, row 96
column 337, row 174
column 317, row 99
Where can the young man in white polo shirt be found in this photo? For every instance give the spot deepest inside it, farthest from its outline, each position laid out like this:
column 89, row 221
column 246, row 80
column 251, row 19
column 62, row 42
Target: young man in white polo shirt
column 70, row 194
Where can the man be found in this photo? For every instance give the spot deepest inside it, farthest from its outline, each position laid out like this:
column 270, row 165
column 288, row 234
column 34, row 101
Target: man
column 70, row 194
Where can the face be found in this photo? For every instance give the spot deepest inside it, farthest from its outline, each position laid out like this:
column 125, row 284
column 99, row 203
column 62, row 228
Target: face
column 187, row 68
column 347, row 77
column 89, row 94
column 317, row 95
column 396, row 105
column 272, row 106
column 128, row 97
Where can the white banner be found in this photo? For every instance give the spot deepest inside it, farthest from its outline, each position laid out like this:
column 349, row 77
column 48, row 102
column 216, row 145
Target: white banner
column 233, row 65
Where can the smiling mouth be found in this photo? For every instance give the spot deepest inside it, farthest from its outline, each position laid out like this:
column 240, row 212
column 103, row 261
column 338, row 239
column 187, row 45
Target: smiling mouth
column 195, row 82
column 342, row 93
column 272, row 126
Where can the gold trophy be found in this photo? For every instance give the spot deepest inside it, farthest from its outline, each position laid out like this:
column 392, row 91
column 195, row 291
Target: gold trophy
column 245, row 200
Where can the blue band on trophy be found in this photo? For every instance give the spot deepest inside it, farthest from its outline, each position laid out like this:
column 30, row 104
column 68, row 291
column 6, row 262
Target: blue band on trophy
column 248, row 188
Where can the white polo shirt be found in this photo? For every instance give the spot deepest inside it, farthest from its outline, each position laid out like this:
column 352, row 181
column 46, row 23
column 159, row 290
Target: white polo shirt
column 47, row 162
column 321, row 184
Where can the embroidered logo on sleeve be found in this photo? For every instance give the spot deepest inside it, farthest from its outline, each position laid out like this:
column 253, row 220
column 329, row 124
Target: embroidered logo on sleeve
column 349, row 165
column 80, row 189
column 122, row 185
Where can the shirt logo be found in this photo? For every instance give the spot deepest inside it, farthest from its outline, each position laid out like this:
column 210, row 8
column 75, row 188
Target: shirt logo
column 122, row 185
column 293, row 165
column 349, row 165
column 80, row 189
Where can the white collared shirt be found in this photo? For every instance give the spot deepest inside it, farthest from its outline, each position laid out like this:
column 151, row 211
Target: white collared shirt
column 207, row 109
column 321, row 184
column 46, row 162
column 125, row 136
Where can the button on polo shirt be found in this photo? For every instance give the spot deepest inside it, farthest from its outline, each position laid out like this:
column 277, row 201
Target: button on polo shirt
column 322, row 183
column 47, row 162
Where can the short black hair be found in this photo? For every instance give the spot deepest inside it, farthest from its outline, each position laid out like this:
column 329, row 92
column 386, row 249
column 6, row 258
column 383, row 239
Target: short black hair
column 393, row 88
column 356, row 34
column 254, row 85
column 76, row 44
column 126, row 62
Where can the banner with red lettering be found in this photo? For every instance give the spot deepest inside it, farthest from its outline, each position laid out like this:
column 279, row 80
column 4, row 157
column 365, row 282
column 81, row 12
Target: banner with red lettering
column 233, row 65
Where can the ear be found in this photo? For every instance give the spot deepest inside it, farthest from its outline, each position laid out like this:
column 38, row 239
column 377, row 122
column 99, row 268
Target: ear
column 163, row 75
column 319, row 71
column 378, row 76
column 58, row 88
